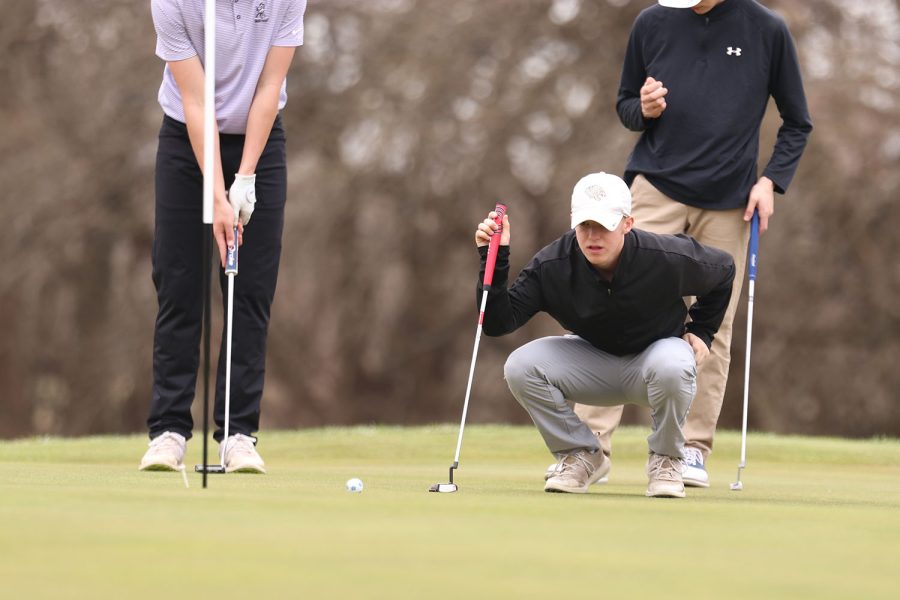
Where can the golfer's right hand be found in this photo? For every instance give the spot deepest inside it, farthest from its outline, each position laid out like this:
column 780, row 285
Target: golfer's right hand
column 487, row 228
column 223, row 227
column 653, row 98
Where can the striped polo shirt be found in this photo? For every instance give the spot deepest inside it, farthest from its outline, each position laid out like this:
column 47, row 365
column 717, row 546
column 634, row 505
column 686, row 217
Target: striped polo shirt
column 245, row 30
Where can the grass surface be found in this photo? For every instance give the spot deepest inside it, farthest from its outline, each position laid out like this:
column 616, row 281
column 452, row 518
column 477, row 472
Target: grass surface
column 818, row 518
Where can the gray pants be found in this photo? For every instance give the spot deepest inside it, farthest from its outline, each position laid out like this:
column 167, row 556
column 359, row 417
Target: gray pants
column 547, row 375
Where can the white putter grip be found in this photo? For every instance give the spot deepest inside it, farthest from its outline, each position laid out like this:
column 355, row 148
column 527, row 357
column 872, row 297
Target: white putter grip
column 231, row 256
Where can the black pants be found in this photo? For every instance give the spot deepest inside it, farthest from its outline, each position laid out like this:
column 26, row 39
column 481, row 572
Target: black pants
column 177, row 275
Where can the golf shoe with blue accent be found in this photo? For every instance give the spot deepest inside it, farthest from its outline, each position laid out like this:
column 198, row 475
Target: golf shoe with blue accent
column 693, row 471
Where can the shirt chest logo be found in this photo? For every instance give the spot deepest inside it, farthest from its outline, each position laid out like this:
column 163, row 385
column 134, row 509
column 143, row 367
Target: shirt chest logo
column 261, row 16
column 733, row 51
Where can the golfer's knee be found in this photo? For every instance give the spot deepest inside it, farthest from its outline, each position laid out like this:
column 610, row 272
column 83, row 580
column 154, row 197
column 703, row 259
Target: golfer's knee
column 673, row 377
column 516, row 370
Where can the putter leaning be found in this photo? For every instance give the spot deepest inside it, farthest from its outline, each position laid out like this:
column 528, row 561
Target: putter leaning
column 231, row 270
column 751, row 270
column 493, row 247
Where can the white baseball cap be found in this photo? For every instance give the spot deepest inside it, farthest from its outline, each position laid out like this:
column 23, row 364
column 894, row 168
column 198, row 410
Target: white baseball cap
column 679, row 3
column 600, row 197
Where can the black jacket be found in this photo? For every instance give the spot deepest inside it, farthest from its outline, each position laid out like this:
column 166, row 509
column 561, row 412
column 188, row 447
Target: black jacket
column 642, row 304
column 720, row 69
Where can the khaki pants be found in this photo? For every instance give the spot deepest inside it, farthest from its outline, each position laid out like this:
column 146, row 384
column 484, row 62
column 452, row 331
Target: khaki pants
column 723, row 229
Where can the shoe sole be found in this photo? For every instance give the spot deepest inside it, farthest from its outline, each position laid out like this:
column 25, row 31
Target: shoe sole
column 665, row 495
column 564, row 490
column 157, row 467
column 601, row 481
column 696, row 483
column 250, row 470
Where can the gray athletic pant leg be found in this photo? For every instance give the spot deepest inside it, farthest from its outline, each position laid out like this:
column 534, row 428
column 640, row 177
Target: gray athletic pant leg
column 547, row 375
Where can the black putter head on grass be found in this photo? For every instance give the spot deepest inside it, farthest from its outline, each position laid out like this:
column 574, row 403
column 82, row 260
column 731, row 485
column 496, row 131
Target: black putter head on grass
column 446, row 488
column 443, row 488
column 212, row 469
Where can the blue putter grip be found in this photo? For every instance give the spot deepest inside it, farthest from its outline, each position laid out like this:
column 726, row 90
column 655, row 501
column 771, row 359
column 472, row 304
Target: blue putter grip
column 231, row 256
column 754, row 245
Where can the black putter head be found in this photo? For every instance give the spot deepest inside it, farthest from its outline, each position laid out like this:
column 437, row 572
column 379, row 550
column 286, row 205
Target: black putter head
column 444, row 488
column 213, row 469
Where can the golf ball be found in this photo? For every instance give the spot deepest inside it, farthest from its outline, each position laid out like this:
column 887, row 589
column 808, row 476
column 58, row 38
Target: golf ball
column 354, row 485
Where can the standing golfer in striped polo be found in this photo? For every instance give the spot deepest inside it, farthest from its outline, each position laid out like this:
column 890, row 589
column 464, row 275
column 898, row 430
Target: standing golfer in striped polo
column 255, row 45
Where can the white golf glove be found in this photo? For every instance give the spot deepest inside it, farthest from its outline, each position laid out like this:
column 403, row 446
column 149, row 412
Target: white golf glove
column 242, row 196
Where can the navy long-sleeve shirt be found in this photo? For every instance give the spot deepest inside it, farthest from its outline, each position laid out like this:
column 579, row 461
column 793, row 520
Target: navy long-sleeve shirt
column 720, row 69
column 643, row 303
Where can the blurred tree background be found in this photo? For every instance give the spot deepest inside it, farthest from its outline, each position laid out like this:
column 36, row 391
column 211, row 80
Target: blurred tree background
column 407, row 121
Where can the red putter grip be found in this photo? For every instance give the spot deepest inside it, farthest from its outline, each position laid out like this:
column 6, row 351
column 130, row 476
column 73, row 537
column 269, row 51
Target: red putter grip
column 494, row 245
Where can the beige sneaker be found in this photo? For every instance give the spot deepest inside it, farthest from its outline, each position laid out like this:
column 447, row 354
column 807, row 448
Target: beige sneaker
column 166, row 453
column 664, row 473
column 577, row 471
column 553, row 468
column 241, row 455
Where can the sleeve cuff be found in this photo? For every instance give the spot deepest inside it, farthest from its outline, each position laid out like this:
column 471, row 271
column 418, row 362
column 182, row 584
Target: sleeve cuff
column 707, row 339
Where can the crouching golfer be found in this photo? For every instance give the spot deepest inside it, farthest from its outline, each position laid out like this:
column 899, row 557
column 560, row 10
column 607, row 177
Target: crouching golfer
column 620, row 291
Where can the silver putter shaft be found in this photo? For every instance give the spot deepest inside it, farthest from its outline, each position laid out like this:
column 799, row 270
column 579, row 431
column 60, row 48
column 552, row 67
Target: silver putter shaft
column 753, row 259
column 231, row 270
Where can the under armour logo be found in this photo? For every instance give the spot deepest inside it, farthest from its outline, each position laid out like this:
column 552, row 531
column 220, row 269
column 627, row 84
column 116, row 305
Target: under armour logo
column 734, row 51
column 261, row 16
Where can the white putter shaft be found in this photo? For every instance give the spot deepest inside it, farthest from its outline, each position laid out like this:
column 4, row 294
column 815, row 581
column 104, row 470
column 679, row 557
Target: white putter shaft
column 751, row 272
column 231, row 270
column 209, row 111
column 737, row 485
column 462, row 422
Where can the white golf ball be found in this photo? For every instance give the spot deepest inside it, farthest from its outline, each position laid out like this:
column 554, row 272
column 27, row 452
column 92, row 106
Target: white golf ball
column 354, row 485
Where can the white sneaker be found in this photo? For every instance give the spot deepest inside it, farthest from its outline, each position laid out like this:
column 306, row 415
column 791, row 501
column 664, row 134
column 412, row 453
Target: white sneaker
column 166, row 453
column 241, row 455
column 664, row 473
column 554, row 468
column 693, row 470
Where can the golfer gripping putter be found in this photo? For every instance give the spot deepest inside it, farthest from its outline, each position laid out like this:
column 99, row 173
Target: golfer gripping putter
column 231, row 270
column 493, row 247
column 754, row 252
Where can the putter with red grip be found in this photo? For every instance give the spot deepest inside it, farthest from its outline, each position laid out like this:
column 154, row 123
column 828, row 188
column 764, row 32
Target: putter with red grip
column 493, row 247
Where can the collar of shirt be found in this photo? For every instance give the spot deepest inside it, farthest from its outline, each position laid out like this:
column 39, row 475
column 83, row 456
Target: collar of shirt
column 721, row 10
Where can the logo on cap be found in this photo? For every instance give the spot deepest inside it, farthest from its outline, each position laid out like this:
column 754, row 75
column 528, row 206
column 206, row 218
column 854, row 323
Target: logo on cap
column 596, row 192
column 602, row 198
column 733, row 51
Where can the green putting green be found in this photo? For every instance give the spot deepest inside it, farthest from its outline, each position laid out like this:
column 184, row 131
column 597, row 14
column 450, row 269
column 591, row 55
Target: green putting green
column 818, row 518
